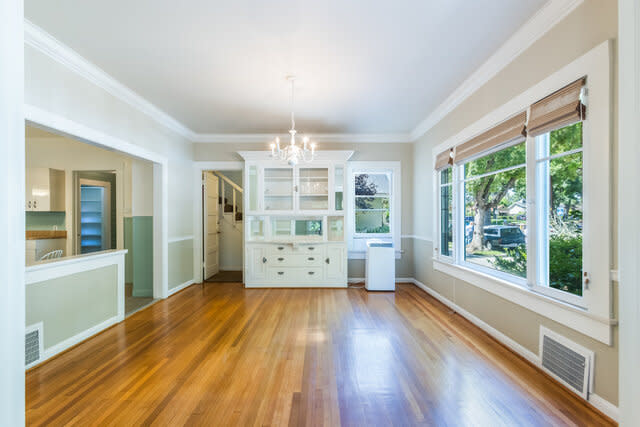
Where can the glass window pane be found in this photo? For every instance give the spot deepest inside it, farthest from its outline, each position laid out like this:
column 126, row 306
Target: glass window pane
column 446, row 220
column 495, row 222
column 372, row 203
column 565, row 223
column 512, row 156
column 445, row 176
column 371, row 184
column 566, row 139
column 372, row 222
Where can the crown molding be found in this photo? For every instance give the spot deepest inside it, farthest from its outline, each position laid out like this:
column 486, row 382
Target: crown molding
column 537, row 26
column 218, row 138
column 44, row 42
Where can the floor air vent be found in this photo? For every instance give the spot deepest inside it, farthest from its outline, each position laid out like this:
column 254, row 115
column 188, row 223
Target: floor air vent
column 33, row 346
column 568, row 362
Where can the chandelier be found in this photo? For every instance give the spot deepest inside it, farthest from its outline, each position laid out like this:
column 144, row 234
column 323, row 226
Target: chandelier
column 292, row 153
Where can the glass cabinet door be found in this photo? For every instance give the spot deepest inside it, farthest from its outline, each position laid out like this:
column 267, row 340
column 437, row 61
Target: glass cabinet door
column 313, row 188
column 278, row 189
column 338, row 187
column 253, row 188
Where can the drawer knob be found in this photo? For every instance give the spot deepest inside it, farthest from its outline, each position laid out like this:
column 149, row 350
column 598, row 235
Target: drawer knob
column 311, row 258
column 312, row 273
column 280, row 248
column 311, row 248
column 328, row 260
column 280, row 259
column 280, row 273
column 264, row 260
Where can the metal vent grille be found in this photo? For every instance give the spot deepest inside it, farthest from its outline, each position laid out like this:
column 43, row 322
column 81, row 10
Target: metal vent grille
column 567, row 361
column 32, row 347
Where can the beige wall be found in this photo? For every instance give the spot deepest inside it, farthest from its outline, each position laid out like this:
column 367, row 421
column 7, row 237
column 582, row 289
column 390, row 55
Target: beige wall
column 593, row 22
column 362, row 152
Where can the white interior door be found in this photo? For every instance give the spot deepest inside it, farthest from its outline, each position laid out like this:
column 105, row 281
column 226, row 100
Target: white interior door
column 211, row 225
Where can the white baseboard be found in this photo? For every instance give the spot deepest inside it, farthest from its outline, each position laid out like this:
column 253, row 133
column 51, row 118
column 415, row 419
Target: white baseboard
column 78, row 338
column 355, row 279
column 604, row 406
column 231, row 268
column 181, row 287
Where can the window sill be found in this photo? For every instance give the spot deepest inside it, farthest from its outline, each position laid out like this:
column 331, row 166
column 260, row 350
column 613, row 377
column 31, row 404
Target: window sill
column 363, row 254
column 573, row 317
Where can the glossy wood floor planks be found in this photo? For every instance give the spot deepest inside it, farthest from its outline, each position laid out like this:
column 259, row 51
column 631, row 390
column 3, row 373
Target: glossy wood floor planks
column 220, row 354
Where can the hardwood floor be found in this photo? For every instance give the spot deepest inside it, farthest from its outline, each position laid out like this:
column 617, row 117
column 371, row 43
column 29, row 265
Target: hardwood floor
column 219, row 354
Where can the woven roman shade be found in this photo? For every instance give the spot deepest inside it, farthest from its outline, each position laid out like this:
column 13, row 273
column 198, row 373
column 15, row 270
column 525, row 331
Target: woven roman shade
column 507, row 132
column 559, row 109
column 444, row 159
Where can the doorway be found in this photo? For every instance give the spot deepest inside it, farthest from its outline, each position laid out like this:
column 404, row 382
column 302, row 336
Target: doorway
column 222, row 225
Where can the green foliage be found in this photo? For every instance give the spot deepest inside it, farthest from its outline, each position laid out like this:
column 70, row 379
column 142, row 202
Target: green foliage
column 383, row 229
column 515, row 261
column 565, row 263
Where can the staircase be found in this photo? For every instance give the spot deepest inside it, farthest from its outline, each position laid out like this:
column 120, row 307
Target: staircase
column 230, row 200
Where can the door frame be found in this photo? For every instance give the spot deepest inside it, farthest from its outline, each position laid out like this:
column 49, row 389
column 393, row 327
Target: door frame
column 55, row 123
column 205, row 228
column 198, row 241
column 77, row 215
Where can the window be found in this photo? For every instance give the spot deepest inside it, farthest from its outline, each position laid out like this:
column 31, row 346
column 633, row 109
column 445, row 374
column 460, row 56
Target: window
column 559, row 170
column 532, row 212
column 372, row 203
column 495, row 216
column 446, row 212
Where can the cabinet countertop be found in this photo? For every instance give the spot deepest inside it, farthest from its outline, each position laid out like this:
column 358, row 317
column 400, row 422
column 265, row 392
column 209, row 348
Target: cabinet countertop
column 46, row 234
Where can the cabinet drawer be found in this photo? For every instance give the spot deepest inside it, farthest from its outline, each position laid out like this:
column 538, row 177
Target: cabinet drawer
column 294, row 260
column 295, row 274
column 312, row 249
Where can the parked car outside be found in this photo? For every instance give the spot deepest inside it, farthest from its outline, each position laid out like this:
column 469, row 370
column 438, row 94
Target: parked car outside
column 503, row 236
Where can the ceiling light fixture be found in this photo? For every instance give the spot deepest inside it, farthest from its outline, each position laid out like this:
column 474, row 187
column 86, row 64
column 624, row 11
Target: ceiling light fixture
column 292, row 153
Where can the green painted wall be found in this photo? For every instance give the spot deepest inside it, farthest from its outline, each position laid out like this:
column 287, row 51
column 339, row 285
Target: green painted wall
column 127, row 230
column 45, row 220
column 72, row 304
column 142, row 255
column 180, row 262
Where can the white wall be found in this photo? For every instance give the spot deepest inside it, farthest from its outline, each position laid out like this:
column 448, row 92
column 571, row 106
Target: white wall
column 141, row 188
column 12, row 235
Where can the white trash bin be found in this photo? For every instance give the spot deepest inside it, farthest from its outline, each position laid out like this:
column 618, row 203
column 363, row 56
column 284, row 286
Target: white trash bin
column 380, row 266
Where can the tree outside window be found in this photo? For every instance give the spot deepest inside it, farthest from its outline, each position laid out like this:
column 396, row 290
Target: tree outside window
column 372, row 203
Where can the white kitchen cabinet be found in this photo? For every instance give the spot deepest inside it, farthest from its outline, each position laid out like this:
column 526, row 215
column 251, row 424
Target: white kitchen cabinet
column 44, row 190
column 295, row 221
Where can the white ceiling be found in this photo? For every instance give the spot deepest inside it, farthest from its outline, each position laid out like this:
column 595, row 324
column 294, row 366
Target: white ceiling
column 374, row 66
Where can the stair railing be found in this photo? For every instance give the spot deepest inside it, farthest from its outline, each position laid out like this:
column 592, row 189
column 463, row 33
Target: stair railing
column 235, row 198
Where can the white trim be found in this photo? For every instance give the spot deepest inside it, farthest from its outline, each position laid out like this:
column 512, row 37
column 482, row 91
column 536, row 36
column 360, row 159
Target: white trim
column 179, row 239
column 395, row 167
column 231, row 267
column 595, row 400
column 320, row 137
column 181, row 287
column 320, row 156
column 539, row 24
column 628, row 199
column 575, row 318
column 61, row 125
column 355, row 279
column 52, row 269
column 604, row 406
column 78, row 338
column 613, row 274
column 39, row 39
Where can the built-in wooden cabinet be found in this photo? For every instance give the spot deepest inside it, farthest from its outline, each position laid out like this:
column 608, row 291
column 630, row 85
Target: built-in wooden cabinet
column 295, row 221
column 44, row 190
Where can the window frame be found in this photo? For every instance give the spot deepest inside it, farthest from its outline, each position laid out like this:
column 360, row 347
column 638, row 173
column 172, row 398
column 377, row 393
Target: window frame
column 590, row 314
column 357, row 241
column 439, row 185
